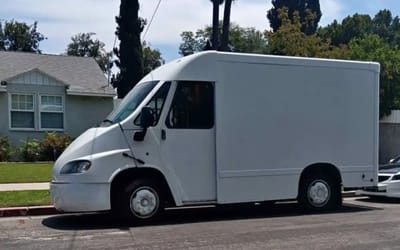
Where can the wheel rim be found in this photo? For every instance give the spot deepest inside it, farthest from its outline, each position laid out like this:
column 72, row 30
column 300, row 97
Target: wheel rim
column 144, row 202
column 318, row 193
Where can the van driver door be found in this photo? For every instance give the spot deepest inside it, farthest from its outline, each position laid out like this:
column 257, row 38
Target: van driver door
column 188, row 141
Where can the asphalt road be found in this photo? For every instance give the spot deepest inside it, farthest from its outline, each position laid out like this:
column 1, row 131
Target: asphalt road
column 360, row 224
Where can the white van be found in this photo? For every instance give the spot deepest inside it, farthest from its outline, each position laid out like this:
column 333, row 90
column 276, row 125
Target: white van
column 220, row 128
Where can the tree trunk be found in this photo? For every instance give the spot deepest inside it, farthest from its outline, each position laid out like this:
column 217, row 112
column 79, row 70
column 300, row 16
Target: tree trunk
column 225, row 26
column 215, row 32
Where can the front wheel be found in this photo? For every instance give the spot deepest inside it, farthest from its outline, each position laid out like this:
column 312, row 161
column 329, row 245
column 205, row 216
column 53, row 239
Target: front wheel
column 319, row 193
column 143, row 201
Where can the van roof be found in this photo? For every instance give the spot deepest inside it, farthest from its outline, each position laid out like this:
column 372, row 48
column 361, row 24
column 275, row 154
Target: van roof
column 202, row 66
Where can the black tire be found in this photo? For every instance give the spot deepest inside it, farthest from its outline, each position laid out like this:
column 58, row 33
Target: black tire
column 142, row 201
column 319, row 192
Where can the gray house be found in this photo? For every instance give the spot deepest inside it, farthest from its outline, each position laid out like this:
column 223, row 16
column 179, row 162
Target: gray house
column 43, row 93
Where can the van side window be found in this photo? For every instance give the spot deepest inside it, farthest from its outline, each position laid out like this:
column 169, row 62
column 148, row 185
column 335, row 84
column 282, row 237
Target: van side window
column 157, row 103
column 192, row 106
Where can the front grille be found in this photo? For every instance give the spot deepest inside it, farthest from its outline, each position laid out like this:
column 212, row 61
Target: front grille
column 382, row 178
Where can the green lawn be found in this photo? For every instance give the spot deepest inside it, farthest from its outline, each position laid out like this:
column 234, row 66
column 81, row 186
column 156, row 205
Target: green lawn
column 25, row 172
column 24, row 198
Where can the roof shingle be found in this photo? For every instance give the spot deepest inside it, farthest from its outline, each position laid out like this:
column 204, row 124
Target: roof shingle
column 82, row 75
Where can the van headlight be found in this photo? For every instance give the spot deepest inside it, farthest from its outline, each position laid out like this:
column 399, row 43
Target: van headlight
column 76, row 167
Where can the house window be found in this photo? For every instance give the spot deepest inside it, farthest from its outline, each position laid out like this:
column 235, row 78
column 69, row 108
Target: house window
column 22, row 111
column 51, row 112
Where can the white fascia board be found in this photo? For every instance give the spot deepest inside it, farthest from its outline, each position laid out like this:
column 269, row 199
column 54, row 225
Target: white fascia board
column 77, row 93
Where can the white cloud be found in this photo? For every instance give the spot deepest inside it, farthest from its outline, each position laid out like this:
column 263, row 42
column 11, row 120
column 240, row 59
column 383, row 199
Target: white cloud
column 59, row 20
column 331, row 9
column 251, row 14
column 173, row 17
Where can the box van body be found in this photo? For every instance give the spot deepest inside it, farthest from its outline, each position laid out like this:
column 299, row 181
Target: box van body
column 228, row 128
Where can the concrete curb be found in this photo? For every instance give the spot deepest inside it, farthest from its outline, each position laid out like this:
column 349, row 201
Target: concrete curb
column 27, row 211
column 49, row 210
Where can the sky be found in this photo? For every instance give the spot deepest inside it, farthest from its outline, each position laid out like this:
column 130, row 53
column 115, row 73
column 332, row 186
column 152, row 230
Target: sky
column 59, row 20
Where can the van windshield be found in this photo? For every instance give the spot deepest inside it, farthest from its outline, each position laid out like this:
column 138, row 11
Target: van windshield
column 130, row 102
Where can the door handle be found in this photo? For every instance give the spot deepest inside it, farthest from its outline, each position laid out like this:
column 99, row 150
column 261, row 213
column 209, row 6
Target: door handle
column 163, row 134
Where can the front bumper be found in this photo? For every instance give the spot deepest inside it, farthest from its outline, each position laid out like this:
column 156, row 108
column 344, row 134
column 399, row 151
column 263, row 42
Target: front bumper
column 80, row 197
column 390, row 190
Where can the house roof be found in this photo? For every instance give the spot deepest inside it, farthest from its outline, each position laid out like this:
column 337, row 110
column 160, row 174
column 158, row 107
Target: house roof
column 81, row 75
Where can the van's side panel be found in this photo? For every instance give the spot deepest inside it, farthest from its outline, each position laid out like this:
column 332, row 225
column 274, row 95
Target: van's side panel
column 273, row 120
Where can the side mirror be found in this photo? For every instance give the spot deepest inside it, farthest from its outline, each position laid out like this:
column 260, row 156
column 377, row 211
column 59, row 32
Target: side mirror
column 146, row 120
column 146, row 117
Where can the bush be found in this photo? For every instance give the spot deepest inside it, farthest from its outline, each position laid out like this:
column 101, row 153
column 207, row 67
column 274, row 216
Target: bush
column 5, row 149
column 30, row 150
column 53, row 145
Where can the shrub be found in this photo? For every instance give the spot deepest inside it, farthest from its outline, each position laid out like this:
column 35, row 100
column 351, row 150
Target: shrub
column 30, row 150
column 53, row 145
column 5, row 148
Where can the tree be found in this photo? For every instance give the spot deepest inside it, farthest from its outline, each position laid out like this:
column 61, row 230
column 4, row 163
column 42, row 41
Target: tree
column 19, row 36
column 387, row 27
column 215, row 24
column 151, row 58
column 309, row 12
column 382, row 22
column 291, row 41
column 248, row 40
column 225, row 26
column 372, row 39
column 130, row 52
column 359, row 26
column 192, row 42
column 83, row 44
column 374, row 48
column 394, row 32
column 355, row 26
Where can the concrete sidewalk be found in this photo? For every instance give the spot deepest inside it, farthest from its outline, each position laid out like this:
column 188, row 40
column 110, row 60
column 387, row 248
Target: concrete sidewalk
column 28, row 210
column 25, row 186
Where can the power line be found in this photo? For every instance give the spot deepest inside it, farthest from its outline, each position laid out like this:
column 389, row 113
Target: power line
column 151, row 20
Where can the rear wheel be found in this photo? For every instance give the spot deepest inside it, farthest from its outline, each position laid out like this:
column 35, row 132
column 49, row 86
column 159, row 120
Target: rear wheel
column 142, row 201
column 319, row 192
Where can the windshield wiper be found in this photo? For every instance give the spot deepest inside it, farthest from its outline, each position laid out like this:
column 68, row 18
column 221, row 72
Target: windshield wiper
column 133, row 158
column 108, row 120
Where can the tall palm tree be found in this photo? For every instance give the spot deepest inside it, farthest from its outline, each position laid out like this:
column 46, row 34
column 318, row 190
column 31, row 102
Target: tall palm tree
column 225, row 25
column 215, row 33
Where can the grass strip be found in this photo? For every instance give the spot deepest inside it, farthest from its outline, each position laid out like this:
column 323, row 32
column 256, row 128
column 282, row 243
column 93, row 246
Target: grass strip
column 25, row 172
column 24, row 198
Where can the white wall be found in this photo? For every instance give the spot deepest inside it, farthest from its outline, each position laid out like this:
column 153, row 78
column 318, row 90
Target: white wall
column 394, row 117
